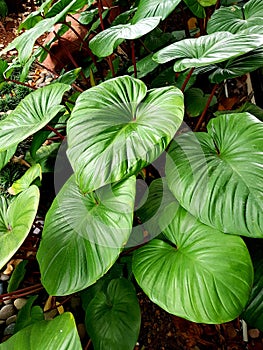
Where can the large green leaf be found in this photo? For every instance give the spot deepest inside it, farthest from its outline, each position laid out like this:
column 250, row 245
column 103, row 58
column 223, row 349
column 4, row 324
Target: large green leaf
column 59, row 6
column 84, row 234
column 113, row 317
column 16, row 221
column 253, row 313
column 5, row 155
column 32, row 114
column 104, row 43
column 36, row 16
column 238, row 66
column 59, row 333
column 199, row 274
column 25, row 42
column 217, row 176
column 117, row 128
column 154, row 8
column 235, row 18
column 195, row 101
column 208, row 49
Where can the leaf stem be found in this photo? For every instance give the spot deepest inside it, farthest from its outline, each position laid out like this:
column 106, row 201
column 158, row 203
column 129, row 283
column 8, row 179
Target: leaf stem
column 134, row 58
column 206, row 108
column 218, row 3
column 20, row 83
column 187, row 79
column 55, row 131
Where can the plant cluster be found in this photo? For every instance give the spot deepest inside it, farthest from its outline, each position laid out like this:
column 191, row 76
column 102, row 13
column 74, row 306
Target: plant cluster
column 120, row 118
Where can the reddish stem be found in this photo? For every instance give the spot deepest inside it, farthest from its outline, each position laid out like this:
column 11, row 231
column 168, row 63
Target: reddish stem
column 88, row 345
column 24, row 291
column 109, row 60
column 100, row 8
column 55, row 131
column 206, row 108
column 20, row 83
column 187, row 79
column 218, row 3
column 134, row 58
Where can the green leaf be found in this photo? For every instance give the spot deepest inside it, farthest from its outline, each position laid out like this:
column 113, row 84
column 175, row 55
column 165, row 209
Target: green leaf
column 246, row 107
column 17, row 276
column 217, row 176
column 25, row 42
column 59, row 333
column 86, row 17
column 113, row 317
column 195, row 101
column 235, row 18
column 196, row 8
column 84, row 234
column 144, row 66
column 207, row 2
column 200, row 274
column 104, row 43
column 32, row 114
column 16, row 221
column 154, row 8
column 237, row 67
column 253, row 313
column 5, row 155
column 60, row 5
column 34, row 17
column 69, row 77
column 208, row 49
column 3, row 68
column 29, row 314
column 45, row 156
column 117, row 128
column 26, row 180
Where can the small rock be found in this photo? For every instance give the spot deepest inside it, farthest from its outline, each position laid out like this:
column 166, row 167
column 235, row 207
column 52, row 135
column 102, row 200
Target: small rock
column 19, row 303
column 2, row 322
column 254, row 333
column 4, row 277
column 7, row 301
column 7, row 311
column 81, row 330
column 11, row 319
column 10, row 329
column 2, row 46
column 40, row 80
column 48, row 80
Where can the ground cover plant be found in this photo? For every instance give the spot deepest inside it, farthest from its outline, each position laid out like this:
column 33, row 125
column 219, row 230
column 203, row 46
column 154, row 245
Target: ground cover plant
column 117, row 114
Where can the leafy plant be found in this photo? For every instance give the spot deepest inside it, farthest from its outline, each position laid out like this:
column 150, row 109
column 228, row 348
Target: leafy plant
column 183, row 237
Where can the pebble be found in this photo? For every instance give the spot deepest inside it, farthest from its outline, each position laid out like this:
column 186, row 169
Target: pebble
column 4, row 277
column 2, row 322
column 11, row 319
column 19, row 303
column 40, row 80
column 7, row 301
column 7, row 311
column 10, row 329
column 254, row 333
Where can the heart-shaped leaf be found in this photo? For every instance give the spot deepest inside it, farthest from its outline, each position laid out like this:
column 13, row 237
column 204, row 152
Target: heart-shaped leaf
column 16, row 221
column 104, row 43
column 234, row 18
column 195, row 101
column 238, row 66
column 84, row 234
column 32, row 114
column 59, row 333
column 113, row 317
column 208, row 49
column 154, row 8
column 25, row 181
column 199, row 274
column 217, row 176
column 253, row 314
column 117, row 128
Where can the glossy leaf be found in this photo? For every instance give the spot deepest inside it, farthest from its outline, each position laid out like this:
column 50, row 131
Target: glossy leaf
column 196, row 8
column 5, row 155
column 195, row 101
column 84, row 234
column 59, row 333
column 59, row 6
column 207, row 2
column 154, row 8
column 235, row 18
column 113, row 317
column 238, row 66
column 104, row 43
column 199, row 274
column 17, row 276
column 117, row 128
column 32, row 114
column 217, row 176
column 16, row 221
column 34, row 17
column 45, row 157
column 29, row 314
column 208, row 49
column 26, row 180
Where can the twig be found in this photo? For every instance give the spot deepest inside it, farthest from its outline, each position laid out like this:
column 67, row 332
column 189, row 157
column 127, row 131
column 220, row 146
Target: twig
column 55, row 131
column 206, row 108
column 187, row 79
column 218, row 3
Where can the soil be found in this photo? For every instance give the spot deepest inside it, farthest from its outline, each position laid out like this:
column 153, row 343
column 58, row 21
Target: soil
column 159, row 330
